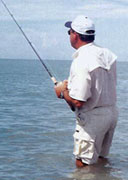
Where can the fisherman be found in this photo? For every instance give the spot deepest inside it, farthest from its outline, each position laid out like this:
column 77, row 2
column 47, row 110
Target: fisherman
column 91, row 92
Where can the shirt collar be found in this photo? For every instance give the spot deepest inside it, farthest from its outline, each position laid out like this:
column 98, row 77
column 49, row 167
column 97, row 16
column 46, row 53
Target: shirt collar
column 75, row 55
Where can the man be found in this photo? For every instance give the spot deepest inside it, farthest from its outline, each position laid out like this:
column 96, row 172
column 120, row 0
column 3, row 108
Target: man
column 91, row 92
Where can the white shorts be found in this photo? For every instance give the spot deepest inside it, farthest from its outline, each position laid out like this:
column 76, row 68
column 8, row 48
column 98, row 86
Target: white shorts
column 94, row 133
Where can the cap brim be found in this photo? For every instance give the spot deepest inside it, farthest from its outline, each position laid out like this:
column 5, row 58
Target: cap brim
column 68, row 24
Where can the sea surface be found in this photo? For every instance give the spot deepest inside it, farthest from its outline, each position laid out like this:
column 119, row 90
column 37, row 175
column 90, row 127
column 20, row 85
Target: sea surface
column 36, row 128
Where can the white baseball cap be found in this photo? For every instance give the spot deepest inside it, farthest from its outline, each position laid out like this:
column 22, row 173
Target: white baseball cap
column 81, row 24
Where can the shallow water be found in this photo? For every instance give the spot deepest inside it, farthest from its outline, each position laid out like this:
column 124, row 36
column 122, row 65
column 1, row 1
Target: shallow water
column 36, row 128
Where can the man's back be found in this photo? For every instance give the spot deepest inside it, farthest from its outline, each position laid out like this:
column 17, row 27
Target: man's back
column 103, row 88
column 93, row 75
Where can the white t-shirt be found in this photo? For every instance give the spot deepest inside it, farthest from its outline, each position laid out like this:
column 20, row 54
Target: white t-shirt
column 93, row 76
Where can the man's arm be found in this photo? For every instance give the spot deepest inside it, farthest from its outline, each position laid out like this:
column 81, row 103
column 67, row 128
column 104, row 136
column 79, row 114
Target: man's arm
column 73, row 103
column 62, row 89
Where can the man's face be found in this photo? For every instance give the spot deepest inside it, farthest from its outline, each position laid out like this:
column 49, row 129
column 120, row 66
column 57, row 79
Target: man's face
column 72, row 34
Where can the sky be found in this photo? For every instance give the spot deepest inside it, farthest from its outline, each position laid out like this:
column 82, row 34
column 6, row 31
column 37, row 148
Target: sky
column 43, row 23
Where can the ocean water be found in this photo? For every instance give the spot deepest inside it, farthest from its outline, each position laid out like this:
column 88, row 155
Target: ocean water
column 36, row 128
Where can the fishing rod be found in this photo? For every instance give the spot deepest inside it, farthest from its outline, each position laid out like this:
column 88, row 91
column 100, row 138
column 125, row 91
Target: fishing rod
column 30, row 43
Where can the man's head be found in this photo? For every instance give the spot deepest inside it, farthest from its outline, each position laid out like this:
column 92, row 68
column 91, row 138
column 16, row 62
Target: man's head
column 83, row 27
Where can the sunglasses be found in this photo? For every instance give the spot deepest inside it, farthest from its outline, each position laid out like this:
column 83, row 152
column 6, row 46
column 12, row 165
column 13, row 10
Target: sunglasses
column 70, row 30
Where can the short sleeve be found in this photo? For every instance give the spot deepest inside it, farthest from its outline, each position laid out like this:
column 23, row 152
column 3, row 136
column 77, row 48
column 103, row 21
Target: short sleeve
column 79, row 83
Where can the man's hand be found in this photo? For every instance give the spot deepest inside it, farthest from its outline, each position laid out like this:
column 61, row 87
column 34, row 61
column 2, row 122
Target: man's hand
column 60, row 87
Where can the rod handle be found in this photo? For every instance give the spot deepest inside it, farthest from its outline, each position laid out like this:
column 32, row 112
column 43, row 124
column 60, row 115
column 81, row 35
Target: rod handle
column 54, row 80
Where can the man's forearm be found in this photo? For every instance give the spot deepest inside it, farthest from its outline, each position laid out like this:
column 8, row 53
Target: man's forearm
column 68, row 99
column 73, row 103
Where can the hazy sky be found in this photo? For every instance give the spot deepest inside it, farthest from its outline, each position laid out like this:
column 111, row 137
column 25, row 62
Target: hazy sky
column 43, row 22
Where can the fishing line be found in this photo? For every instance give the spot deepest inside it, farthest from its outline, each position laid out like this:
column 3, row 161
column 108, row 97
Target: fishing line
column 30, row 43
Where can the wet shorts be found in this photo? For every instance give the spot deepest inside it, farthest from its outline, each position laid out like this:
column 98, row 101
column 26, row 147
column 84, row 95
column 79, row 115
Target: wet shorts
column 94, row 133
